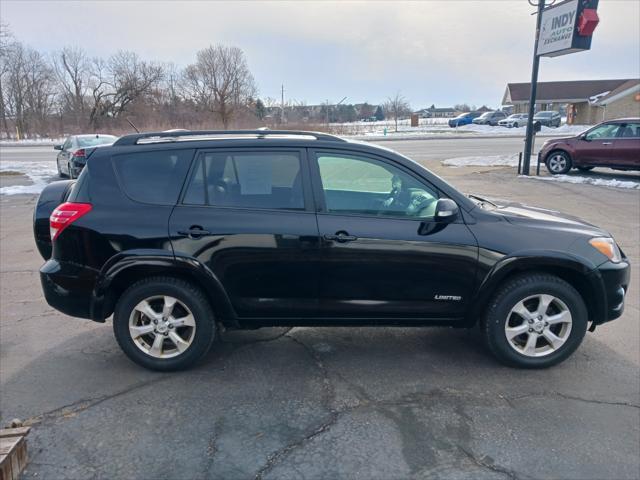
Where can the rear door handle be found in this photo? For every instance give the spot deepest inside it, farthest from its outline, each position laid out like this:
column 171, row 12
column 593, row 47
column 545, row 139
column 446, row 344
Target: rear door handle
column 340, row 237
column 195, row 231
column 607, row 143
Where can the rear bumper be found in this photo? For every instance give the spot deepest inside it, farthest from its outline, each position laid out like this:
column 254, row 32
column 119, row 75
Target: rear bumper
column 68, row 287
column 615, row 281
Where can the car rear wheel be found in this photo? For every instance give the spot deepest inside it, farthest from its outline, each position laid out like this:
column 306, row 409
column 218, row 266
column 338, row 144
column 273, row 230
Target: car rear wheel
column 164, row 323
column 535, row 321
column 558, row 162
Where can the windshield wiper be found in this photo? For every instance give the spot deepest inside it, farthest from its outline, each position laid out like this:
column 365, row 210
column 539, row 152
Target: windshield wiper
column 482, row 201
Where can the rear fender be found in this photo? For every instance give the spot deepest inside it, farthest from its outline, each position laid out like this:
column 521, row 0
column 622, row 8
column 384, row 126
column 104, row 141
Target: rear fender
column 53, row 195
column 580, row 273
column 125, row 268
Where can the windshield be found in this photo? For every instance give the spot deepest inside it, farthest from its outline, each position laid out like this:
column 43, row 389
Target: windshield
column 486, row 115
column 544, row 114
column 93, row 140
column 462, row 115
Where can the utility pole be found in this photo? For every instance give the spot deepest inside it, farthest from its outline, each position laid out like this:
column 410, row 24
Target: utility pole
column 282, row 119
column 528, row 142
column 326, row 113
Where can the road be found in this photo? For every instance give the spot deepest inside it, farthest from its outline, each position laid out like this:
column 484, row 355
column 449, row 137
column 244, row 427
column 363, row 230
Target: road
column 442, row 149
column 370, row 403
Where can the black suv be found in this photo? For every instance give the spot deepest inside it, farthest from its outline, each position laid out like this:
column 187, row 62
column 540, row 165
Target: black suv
column 178, row 233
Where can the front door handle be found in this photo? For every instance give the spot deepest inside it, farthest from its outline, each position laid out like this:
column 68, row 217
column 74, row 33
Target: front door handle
column 607, row 143
column 341, row 237
column 195, row 231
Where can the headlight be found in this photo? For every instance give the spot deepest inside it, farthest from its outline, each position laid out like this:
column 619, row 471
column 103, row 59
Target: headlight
column 607, row 246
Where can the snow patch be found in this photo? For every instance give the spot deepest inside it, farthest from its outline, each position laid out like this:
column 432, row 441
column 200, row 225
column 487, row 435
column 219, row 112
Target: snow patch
column 486, row 161
column 39, row 172
column 44, row 142
column 600, row 182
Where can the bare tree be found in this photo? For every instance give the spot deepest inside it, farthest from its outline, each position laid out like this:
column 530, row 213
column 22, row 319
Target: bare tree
column 73, row 70
column 220, row 82
column 462, row 107
column 28, row 88
column 131, row 79
column 6, row 42
column 119, row 82
column 397, row 107
column 98, row 89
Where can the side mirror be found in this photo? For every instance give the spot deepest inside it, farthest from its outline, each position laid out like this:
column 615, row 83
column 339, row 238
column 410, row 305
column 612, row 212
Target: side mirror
column 57, row 147
column 446, row 210
column 584, row 137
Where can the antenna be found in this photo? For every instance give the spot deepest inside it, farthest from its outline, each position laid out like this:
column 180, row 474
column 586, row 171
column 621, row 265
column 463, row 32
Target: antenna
column 132, row 125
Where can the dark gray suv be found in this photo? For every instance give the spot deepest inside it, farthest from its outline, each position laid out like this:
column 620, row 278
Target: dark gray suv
column 490, row 118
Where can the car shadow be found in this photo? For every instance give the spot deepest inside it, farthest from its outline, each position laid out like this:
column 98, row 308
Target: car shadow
column 607, row 174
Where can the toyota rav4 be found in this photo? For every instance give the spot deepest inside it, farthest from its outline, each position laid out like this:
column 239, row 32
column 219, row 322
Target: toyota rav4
column 179, row 234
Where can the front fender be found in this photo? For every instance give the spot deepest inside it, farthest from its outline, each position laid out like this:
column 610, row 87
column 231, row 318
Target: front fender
column 136, row 264
column 563, row 264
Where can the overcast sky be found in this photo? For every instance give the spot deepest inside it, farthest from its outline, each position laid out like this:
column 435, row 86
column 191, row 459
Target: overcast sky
column 441, row 52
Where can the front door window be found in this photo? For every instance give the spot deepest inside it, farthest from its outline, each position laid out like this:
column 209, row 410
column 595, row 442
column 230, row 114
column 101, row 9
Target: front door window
column 603, row 131
column 364, row 186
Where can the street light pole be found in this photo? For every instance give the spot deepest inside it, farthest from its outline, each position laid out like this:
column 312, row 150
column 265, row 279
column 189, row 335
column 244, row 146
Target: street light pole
column 528, row 142
column 327, row 111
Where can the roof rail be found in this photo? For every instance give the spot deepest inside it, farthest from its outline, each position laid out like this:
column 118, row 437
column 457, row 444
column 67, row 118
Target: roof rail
column 182, row 135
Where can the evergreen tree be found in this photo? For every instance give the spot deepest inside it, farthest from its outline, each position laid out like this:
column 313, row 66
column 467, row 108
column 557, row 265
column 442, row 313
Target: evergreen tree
column 261, row 110
column 379, row 113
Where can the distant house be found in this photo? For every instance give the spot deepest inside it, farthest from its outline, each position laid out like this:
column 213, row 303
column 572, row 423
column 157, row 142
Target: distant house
column 437, row 112
column 586, row 101
column 484, row 109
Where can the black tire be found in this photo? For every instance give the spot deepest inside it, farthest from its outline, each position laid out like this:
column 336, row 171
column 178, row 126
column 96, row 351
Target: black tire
column 518, row 289
column 558, row 162
column 186, row 293
column 585, row 169
column 70, row 171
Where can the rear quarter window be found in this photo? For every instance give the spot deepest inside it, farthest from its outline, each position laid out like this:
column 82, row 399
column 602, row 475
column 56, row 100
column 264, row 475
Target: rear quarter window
column 154, row 177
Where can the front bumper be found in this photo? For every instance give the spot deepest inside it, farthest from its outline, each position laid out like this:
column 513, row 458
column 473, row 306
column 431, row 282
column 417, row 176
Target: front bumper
column 68, row 287
column 614, row 278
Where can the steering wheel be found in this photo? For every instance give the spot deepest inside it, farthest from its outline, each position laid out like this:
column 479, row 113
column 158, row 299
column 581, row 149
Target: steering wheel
column 398, row 198
column 413, row 203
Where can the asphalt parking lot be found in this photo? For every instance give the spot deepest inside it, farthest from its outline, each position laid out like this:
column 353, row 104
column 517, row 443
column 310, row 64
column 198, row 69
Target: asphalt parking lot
column 370, row 403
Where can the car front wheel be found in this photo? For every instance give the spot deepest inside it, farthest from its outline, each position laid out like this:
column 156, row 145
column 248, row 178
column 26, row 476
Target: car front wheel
column 558, row 162
column 535, row 321
column 164, row 323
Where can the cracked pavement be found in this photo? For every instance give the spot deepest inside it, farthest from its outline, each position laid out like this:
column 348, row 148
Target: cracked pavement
column 311, row 403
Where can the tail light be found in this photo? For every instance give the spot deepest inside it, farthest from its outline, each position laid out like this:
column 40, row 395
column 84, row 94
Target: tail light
column 79, row 153
column 64, row 215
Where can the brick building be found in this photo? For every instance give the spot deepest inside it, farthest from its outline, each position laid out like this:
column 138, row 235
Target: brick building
column 586, row 101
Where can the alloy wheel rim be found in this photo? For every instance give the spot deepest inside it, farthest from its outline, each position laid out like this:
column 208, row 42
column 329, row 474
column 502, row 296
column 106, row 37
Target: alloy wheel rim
column 162, row 326
column 538, row 325
column 557, row 163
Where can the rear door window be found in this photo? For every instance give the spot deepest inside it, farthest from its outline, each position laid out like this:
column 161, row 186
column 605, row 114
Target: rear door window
column 267, row 179
column 153, row 177
column 629, row 130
